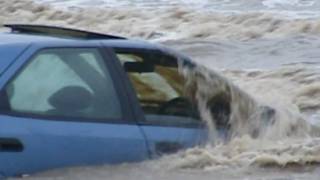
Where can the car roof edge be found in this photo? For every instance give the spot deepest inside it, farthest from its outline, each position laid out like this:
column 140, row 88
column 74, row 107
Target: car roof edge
column 56, row 31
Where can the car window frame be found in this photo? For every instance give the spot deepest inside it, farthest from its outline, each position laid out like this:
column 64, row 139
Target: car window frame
column 108, row 61
column 139, row 113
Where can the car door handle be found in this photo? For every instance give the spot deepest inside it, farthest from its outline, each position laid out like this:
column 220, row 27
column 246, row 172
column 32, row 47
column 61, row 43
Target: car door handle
column 10, row 145
column 166, row 147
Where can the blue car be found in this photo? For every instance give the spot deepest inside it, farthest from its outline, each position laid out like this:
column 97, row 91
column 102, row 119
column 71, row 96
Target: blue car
column 72, row 98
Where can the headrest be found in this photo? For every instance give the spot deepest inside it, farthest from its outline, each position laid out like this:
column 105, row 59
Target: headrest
column 71, row 98
column 138, row 67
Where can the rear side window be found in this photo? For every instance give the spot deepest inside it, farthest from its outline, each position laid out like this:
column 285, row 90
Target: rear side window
column 67, row 83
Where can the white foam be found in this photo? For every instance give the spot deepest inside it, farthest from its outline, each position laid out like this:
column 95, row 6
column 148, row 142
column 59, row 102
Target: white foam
column 296, row 9
column 315, row 119
column 297, row 3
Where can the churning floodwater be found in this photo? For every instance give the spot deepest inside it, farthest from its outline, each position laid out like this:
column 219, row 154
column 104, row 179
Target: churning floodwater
column 262, row 54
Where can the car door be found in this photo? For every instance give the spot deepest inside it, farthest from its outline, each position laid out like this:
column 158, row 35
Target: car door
column 169, row 120
column 63, row 106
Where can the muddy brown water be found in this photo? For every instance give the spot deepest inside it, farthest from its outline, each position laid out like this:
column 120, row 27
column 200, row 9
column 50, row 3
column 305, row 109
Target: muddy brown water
column 257, row 59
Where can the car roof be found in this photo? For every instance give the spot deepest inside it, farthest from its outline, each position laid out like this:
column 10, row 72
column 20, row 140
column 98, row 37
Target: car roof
column 13, row 38
column 17, row 38
column 59, row 31
column 41, row 34
column 26, row 34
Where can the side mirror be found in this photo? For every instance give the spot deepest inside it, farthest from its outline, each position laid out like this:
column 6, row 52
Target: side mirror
column 139, row 67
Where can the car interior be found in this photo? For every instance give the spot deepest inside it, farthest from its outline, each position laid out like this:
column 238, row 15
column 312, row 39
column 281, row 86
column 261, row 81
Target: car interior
column 159, row 86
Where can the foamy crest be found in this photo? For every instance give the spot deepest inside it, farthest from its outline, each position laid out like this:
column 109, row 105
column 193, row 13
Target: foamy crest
column 160, row 24
column 241, row 153
column 299, row 3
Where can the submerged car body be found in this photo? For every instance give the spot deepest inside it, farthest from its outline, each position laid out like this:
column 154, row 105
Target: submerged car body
column 72, row 98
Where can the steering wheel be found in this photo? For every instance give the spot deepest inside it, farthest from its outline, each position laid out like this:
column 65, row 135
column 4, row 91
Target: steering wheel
column 178, row 106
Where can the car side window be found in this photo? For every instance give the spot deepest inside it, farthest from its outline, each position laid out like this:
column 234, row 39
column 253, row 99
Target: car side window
column 159, row 87
column 65, row 82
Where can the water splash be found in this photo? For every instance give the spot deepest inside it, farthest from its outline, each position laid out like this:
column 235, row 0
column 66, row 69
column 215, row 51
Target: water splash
column 225, row 106
column 260, row 133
